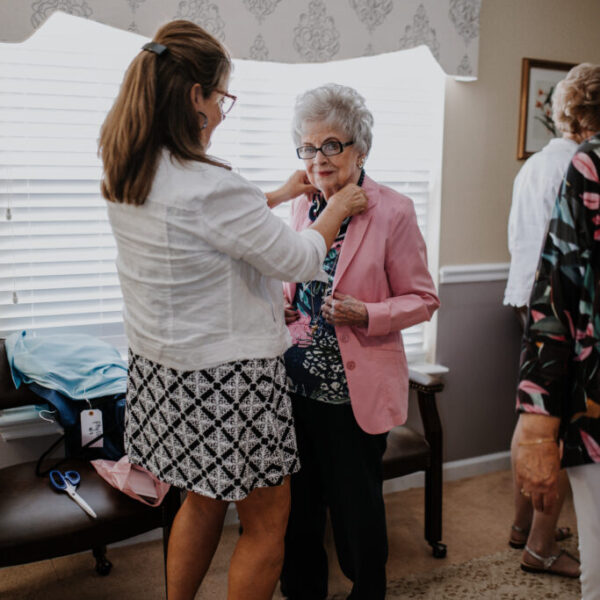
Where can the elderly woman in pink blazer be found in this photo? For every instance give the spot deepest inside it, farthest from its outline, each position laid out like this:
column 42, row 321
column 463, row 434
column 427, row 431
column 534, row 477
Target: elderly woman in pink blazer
column 347, row 364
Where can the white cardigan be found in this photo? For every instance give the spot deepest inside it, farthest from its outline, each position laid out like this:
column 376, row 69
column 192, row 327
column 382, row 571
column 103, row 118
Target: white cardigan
column 200, row 265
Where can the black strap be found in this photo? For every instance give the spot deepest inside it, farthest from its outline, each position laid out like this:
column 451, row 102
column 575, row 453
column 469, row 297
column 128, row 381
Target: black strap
column 38, row 466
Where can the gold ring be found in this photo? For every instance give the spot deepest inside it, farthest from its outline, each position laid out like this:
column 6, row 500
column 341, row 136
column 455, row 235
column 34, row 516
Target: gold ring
column 524, row 493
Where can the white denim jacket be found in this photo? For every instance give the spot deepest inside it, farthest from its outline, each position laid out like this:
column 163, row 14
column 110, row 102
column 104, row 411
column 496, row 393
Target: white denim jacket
column 200, row 265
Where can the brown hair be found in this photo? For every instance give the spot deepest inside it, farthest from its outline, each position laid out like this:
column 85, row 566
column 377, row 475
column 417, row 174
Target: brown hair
column 576, row 100
column 154, row 109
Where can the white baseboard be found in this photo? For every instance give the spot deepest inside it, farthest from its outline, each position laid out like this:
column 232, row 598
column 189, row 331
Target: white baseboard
column 454, row 470
column 457, row 469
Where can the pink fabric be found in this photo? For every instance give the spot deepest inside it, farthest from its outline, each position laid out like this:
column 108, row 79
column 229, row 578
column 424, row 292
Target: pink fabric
column 135, row 481
column 591, row 446
column 585, row 165
column 397, row 296
column 531, row 388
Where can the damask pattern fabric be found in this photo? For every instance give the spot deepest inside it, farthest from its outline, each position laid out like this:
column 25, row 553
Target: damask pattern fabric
column 560, row 361
column 298, row 31
column 220, row 432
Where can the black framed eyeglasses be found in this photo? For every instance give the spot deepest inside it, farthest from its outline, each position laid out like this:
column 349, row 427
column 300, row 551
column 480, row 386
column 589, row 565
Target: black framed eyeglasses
column 328, row 149
column 226, row 102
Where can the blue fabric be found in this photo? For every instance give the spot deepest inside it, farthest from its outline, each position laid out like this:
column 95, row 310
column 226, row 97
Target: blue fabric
column 76, row 365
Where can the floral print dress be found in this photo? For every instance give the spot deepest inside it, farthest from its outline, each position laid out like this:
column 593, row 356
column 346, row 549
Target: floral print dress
column 560, row 360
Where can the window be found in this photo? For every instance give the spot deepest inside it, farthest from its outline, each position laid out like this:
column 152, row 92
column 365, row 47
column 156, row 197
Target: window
column 56, row 249
column 57, row 253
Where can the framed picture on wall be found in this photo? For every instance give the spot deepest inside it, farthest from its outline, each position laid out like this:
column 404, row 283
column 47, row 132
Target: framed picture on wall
column 538, row 80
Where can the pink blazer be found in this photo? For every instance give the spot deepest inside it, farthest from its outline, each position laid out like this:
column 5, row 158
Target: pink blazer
column 383, row 262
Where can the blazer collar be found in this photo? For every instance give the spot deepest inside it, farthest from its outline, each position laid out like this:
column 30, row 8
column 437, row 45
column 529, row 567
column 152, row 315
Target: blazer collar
column 356, row 230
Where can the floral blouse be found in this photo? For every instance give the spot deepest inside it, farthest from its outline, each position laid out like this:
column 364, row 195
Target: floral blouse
column 314, row 363
column 560, row 360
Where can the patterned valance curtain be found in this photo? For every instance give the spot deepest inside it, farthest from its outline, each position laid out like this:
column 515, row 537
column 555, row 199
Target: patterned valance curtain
column 285, row 30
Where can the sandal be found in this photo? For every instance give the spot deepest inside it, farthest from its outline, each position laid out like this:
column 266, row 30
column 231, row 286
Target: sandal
column 547, row 563
column 562, row 533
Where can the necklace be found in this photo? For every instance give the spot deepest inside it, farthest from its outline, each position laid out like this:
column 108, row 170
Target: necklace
column 315, row 288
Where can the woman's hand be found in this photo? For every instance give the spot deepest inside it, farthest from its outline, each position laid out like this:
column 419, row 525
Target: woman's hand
column 295, row 186
column 341, row 309
column 537, row 474
column 351, row 198
column 290, row 313
column 538, row 461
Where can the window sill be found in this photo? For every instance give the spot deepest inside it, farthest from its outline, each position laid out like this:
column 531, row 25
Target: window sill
column 428, row 368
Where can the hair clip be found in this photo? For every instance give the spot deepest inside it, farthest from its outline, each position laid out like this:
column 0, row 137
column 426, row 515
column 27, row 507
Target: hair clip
column 158, row 49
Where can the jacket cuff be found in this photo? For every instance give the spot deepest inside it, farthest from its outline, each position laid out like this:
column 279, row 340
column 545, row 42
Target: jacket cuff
column 379, row 318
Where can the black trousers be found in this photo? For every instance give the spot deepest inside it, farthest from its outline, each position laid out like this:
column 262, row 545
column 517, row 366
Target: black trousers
column 341, row 470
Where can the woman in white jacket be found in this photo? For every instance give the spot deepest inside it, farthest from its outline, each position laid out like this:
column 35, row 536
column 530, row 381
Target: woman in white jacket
column 200, row 259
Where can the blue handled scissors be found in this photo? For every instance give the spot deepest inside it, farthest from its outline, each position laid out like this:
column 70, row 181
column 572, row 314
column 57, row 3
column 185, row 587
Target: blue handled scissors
column 68, row 483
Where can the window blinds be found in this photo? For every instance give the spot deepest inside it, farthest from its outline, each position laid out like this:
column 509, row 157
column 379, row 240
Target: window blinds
column 57, row 271
column 57, row 253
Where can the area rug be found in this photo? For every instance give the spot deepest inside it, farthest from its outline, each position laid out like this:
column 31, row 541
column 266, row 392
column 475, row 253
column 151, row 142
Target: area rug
column 495, row 577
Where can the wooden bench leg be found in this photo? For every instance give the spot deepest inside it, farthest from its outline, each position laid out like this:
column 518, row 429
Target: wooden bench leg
column 433, row 476
column 433, row 512
column 103, row 565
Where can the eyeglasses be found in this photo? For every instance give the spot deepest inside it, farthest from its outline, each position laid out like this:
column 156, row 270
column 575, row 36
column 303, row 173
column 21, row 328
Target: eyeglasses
column 328, row 149
column 226, row 102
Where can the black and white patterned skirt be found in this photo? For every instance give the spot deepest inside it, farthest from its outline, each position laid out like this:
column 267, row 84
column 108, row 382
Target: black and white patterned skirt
column 220, row 432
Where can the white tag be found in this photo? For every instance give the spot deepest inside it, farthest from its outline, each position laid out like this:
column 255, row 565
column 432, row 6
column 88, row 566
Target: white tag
column 91, row 427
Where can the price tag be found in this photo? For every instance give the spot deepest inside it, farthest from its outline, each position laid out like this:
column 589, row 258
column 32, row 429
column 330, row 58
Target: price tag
column 91, row 427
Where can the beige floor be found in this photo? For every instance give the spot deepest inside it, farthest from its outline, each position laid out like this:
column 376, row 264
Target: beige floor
column 477, row 518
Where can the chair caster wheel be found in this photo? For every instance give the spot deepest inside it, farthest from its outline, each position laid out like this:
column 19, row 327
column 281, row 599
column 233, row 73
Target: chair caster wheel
column 439, row 550
column 103, row 566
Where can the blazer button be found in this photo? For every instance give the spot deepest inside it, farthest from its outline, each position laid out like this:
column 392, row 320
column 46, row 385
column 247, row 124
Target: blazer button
column 344, row 337
column 351, row 364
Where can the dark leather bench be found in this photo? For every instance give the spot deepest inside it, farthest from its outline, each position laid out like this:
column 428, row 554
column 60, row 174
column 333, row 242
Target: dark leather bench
column 38, row 523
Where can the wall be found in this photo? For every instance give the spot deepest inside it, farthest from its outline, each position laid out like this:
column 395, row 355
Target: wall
column 482, row 117
column 478, row 338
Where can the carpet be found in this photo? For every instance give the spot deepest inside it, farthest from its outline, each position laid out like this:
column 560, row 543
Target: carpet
column 477, row 516
column 494, row 577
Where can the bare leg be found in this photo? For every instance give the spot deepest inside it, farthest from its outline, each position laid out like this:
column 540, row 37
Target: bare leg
column 541, row 526
column 523, row 507
column 192, row 544
column 258, row 557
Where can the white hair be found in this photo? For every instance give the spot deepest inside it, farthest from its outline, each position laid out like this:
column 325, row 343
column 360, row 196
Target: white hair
column 337, row 105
